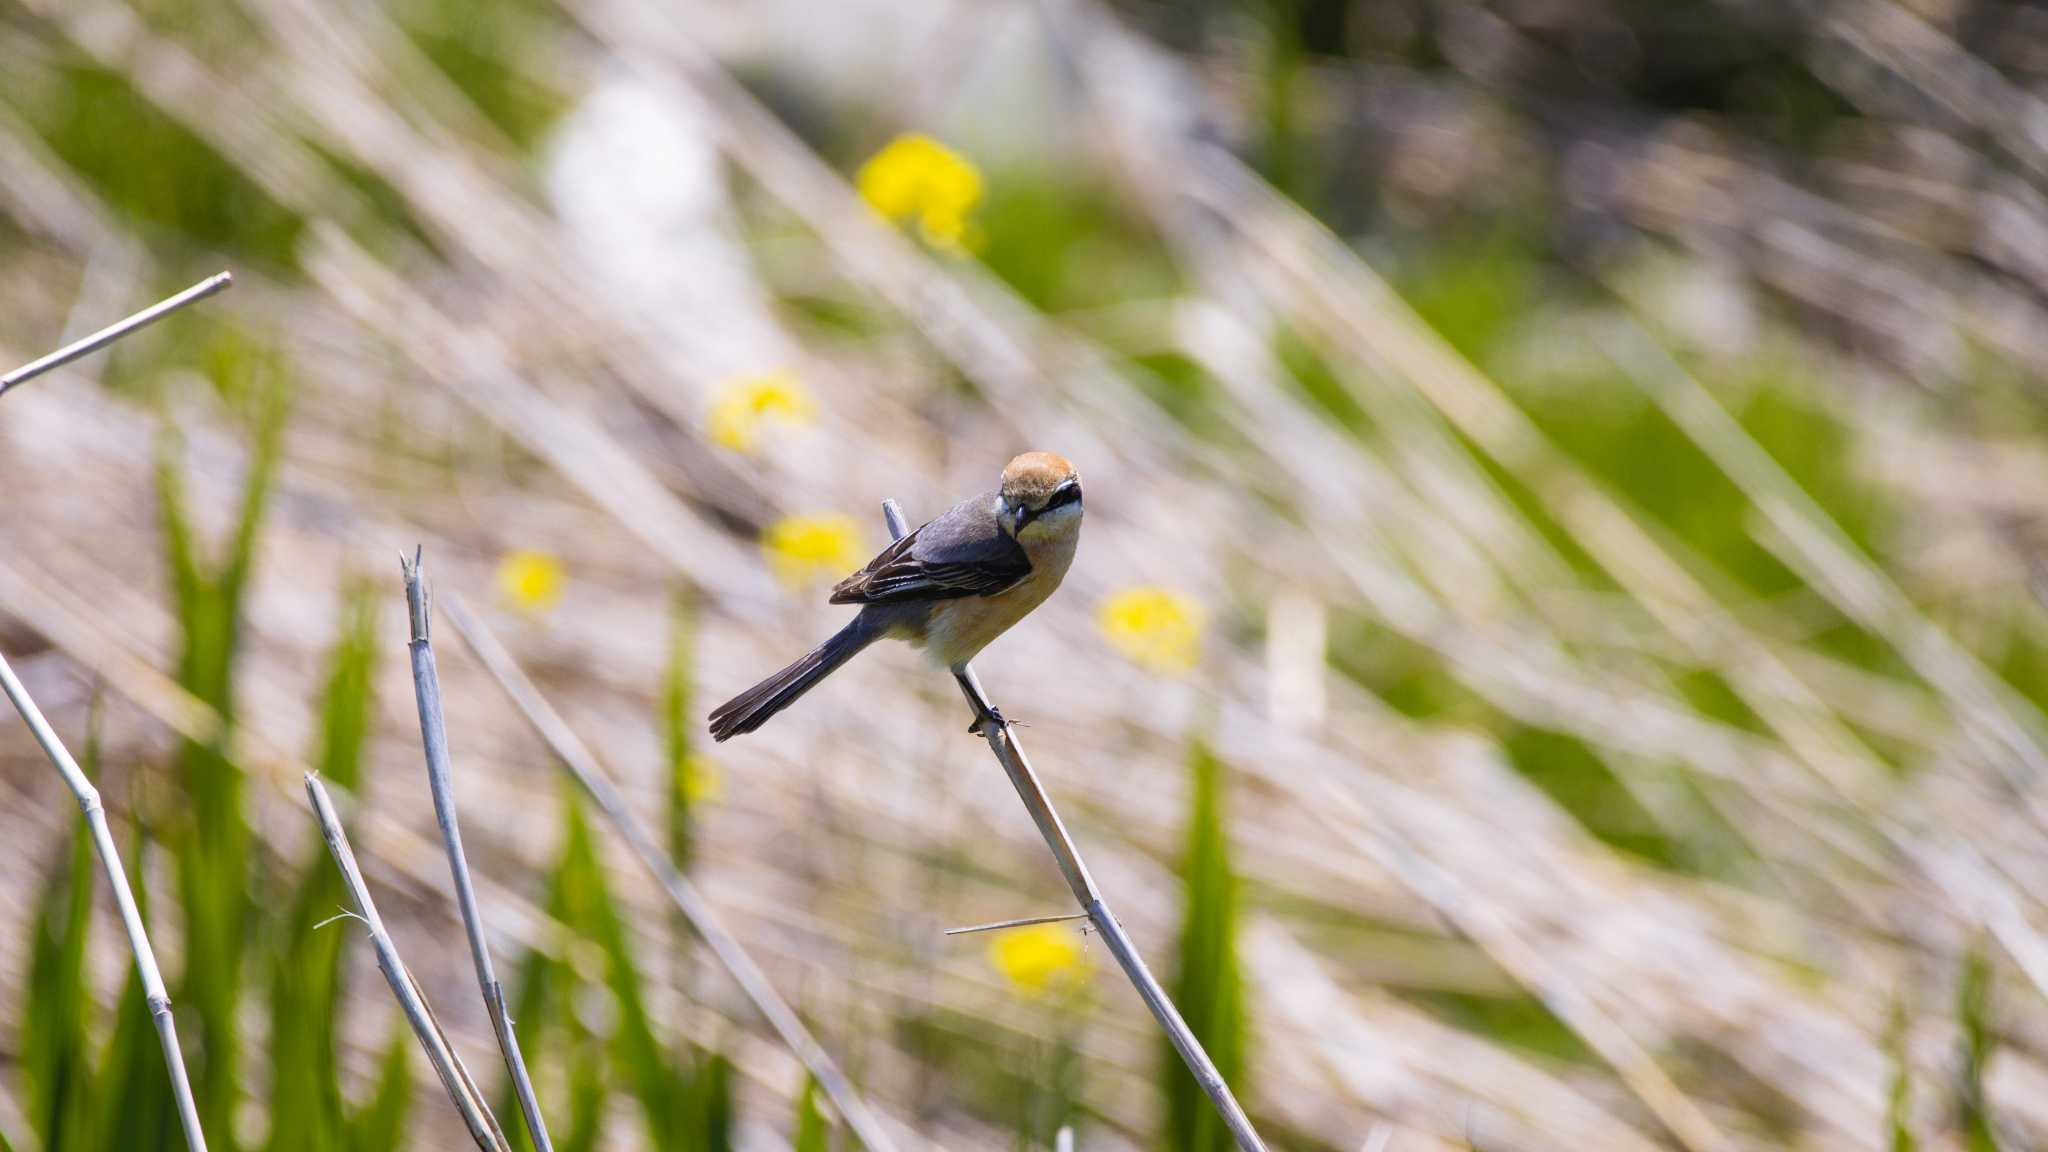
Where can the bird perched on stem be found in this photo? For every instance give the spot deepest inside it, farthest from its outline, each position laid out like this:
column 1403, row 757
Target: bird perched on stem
column 949, row 588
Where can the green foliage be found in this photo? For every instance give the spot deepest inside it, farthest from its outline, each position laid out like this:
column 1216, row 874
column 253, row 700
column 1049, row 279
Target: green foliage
column 57, row 1066
column 379, row 1124
column 66, row 1082
column 811, row 1135
column 1473, row 291
column 1284, row 149
column 685, row 1097
column 150, row 168
column 1065, row 246
column 679, row 726
column 133, row 1069
column 1899, row 1104
column 1209, row 985
column 1581, row 783
column 1008, row 1080
column 1312, row 372
column 1520, row 1021
column 1973, row 1014
column 305, row 982
column 212, row 847
column 1181, row 386
column 1409, row 677
column 484, row 49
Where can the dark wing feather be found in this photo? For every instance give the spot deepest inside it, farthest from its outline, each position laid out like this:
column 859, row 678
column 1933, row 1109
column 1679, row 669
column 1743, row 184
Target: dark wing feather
column 962, row 553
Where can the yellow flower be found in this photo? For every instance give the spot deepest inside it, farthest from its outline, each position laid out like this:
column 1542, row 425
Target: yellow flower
column 1156, row 628
column 745, row 404
column 804, row 549
column 702, row 782
column 1038, row 958
column 530, row 581
column 916, row 177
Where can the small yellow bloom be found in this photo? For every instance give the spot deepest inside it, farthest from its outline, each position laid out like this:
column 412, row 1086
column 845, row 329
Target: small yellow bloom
column 1156, row 628
column 744, row 405
column 530, row 581
column 702, row 781
column 1038, row 958
column 916, row 177
column 804, row 549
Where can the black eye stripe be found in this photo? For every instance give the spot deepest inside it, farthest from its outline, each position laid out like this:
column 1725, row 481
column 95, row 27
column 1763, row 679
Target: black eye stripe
column 1070, row 494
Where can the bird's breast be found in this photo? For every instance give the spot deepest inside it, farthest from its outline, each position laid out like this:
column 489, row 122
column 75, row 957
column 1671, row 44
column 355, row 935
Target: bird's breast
column 958, row 629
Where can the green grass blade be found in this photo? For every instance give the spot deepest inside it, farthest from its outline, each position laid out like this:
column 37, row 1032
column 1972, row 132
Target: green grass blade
column 545, row 1012
column 530, row 1003
column 810, row 1120
column 1208, row 986
column 180, row 557
column 593, row 913
column 306, row 975
column 213, row 848
column 711, row 1095
column 679, row 728
column 379, row 1125
column 57, row 1069
column 132, row 1071
column 590, row 1093
column 1973, row 1013
column 1899, row 1107
column 260, row 373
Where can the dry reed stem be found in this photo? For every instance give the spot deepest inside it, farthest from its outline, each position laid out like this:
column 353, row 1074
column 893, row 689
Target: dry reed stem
column 156, row 996
column 582, row 766
column 113, row 332
column 462, row 1091
column 131, row 677
column 1003, row 742
column 434, row 736
column 131, row 917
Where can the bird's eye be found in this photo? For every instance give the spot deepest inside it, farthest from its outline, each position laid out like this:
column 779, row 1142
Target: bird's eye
column 1067, row 494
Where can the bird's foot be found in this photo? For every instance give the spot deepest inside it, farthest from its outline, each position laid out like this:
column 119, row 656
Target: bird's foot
column 988, row 718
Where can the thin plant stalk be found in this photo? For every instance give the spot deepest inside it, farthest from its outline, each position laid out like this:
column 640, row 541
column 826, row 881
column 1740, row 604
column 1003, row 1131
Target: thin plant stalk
column 476, row 1115
column 582, row 765
column 131, row 917
column 113, row 332
column 426, row 681
column 1003, row 742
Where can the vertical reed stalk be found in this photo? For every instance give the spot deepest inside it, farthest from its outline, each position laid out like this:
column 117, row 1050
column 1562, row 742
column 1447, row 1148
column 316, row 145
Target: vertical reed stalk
column 426, row 679
column 476, row 1115
column 582, row 765
column 131, row 917
column 1003, row 742
column 88, row 796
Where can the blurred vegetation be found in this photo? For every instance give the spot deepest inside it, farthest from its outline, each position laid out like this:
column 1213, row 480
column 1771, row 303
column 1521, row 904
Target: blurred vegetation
column 212, row 849
column 684, row 1095
column 1973, row 1010
column 1487, row 256
column 1208, row 986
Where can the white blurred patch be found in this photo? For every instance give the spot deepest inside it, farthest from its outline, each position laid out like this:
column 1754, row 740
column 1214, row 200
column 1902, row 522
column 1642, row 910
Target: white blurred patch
column 1297, row 640
column 638, row 183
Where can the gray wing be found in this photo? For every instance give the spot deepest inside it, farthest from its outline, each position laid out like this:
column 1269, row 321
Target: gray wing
column 962, row 553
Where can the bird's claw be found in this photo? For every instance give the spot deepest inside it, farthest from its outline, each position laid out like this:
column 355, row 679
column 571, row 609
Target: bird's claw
column 988, row 716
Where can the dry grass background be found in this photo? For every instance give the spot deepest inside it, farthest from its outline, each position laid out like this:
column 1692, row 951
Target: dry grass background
column 496, row 346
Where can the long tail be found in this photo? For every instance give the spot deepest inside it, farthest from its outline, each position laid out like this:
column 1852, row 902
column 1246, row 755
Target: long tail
column 752, row 708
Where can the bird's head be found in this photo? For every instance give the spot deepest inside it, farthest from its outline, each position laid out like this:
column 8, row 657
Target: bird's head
column 1041, row 494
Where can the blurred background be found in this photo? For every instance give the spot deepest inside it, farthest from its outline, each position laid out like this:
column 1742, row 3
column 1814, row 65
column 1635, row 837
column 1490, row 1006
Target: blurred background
column 1555, row 662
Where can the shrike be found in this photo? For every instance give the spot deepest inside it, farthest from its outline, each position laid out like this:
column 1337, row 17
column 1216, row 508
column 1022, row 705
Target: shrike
column 949, row 588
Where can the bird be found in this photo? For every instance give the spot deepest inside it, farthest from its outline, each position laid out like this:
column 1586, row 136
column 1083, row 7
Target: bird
column 949, row 588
